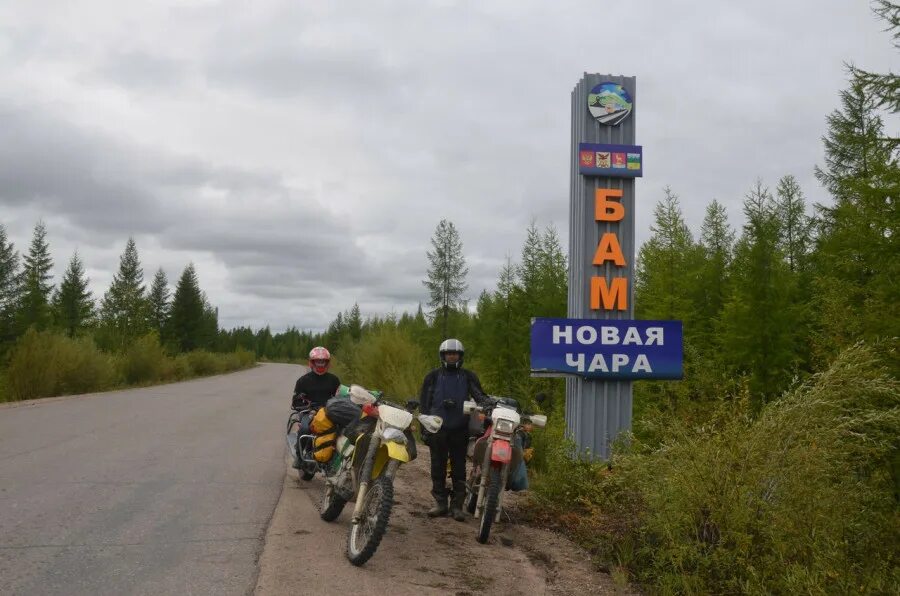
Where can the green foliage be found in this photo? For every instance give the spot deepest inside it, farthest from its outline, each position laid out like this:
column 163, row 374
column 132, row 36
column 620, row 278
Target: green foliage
column 45, row 364
column 35, row 290
column 798, row 500
column 145, row 361
column 446, row 278
column 123, row 311
column 73, row 306
column 192, row 321
column 159, row 304
column 9, row 288
column 386, row 359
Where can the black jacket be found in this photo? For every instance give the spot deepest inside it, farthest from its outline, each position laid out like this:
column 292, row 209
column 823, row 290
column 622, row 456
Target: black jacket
column 452, row 418
column 318, row 388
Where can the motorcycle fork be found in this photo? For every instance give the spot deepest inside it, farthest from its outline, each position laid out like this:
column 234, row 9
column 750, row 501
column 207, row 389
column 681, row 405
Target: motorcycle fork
column 485, row 477
column 364, row 474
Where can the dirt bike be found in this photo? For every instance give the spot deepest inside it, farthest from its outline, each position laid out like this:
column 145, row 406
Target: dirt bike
column 301, row 445
column 368, row 455
column 498, row 451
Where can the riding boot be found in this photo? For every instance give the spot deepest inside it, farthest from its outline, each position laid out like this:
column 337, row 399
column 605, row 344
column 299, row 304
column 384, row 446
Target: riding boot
column 456, row 503
column 439, row 509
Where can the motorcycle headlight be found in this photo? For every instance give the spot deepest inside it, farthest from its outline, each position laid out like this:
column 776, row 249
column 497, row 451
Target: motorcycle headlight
column 393, row 434
column 505, row 426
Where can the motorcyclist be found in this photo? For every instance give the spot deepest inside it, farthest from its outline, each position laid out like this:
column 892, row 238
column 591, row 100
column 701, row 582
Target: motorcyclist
column 443, row 392
column 317, row 386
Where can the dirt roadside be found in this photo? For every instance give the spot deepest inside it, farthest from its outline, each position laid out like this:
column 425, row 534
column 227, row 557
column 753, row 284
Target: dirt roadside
column 418, row 555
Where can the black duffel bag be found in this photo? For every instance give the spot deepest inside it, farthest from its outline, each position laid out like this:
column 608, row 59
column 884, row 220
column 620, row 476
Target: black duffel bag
column 342, row 411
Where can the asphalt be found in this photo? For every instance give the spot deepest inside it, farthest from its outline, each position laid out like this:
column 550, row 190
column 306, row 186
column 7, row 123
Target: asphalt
column 161, row 490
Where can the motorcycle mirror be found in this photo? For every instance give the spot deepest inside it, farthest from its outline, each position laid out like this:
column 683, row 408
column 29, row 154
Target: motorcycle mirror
column 412, row 404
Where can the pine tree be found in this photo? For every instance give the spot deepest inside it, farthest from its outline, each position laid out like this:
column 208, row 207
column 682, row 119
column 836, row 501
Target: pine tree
column 186, row 319
column 759, row 330
column 884, row 88
column 796, row 226
column 354, row 322
column 123, row 310
column 73, row 305
column 10, row 278
column 34, row 302
column 717, row 244
column 667, row 265
column 158, row 302
column 447, row 272
column 856, row 267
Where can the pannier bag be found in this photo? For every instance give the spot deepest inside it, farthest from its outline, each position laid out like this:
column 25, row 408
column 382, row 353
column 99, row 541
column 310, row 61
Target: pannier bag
column 342, row 411
column 323, row 447
column 321, row 423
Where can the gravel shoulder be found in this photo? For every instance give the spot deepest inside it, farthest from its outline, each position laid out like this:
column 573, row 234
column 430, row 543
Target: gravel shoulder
column 418, row 556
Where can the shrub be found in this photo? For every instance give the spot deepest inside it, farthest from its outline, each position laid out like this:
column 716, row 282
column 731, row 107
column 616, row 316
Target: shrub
column 204, row 363
column 145, row 361
column 44, row 364
column 800, row 499
column 386, row 359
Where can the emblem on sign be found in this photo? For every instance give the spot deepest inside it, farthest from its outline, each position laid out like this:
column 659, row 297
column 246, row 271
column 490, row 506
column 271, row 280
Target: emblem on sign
column 609, row 103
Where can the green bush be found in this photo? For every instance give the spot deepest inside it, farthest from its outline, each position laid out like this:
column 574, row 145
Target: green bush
column 386, row 359
column 145, row 361
column 44, row 364
column 204, row 363
column 801, row 499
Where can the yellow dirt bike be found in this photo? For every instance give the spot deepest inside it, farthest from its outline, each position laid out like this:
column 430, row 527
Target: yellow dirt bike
column 368, row 454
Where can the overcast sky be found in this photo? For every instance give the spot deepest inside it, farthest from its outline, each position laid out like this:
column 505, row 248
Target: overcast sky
column 301, row 153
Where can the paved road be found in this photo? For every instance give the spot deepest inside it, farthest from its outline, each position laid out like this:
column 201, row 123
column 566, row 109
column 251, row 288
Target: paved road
column 163, row 490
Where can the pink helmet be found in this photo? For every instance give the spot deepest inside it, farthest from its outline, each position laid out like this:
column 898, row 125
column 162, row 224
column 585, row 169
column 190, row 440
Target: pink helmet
column 319, row 360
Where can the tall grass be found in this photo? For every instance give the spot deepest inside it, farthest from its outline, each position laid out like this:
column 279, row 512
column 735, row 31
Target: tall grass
column 46, row 364
column 386, row 359
column 801, row 499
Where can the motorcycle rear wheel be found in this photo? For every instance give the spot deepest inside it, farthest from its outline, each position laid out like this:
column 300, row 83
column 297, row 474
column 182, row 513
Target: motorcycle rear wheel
column 331, row 505
column 491, row 502
column 366, row 535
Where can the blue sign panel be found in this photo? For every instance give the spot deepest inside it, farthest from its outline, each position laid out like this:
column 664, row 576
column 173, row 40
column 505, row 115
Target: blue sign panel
column 617, row 161
column 606, row 349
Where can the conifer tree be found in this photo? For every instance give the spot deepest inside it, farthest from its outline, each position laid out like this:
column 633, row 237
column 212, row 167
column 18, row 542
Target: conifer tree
column 759, row 325
column 717, row 244
column 159, row 302
column 124, row 310
column 796, row 226
column 186, row 320
column 73, row 305
column 10, row 278
column 34, row 301
column 446, row 277
column 667, row 265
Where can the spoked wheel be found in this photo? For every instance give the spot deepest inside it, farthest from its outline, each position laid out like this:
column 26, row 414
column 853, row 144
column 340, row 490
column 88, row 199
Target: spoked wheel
column 491, row 502
column 331, row 505
column 366, row 535
column 472, row 491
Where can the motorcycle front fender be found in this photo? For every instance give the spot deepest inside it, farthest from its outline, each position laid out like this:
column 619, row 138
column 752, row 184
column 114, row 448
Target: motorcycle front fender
column 501, row 451
column 397, row 451
column 387, row 452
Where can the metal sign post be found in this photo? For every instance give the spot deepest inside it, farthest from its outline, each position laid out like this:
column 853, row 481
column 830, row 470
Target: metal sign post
column 600, row 361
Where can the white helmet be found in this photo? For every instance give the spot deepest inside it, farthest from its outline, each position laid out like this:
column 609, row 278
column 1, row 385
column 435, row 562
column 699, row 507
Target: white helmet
column 451, row 345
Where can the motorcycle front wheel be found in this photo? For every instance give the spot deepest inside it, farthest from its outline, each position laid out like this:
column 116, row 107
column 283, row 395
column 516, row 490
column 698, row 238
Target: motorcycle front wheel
column 491, row 502
column 472, row 491
column 331, row 505
column 366, row 534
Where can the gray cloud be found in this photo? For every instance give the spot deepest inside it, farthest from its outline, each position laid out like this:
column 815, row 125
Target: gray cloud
column 301, row 154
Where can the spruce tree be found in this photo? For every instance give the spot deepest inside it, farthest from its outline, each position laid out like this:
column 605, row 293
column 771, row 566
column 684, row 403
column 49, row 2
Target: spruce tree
column 716, row 245
column 123, row 310
column 159, row 302
column 73, row 305
column 667, row 265
column 10, row 279
column 34, row 301
column 354, row 322
column 446, row 281
column 759, row 325
column 186, row 319
column 796, row 226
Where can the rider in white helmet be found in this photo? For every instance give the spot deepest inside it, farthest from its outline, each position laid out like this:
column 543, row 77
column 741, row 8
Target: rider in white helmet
column 443, row 392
